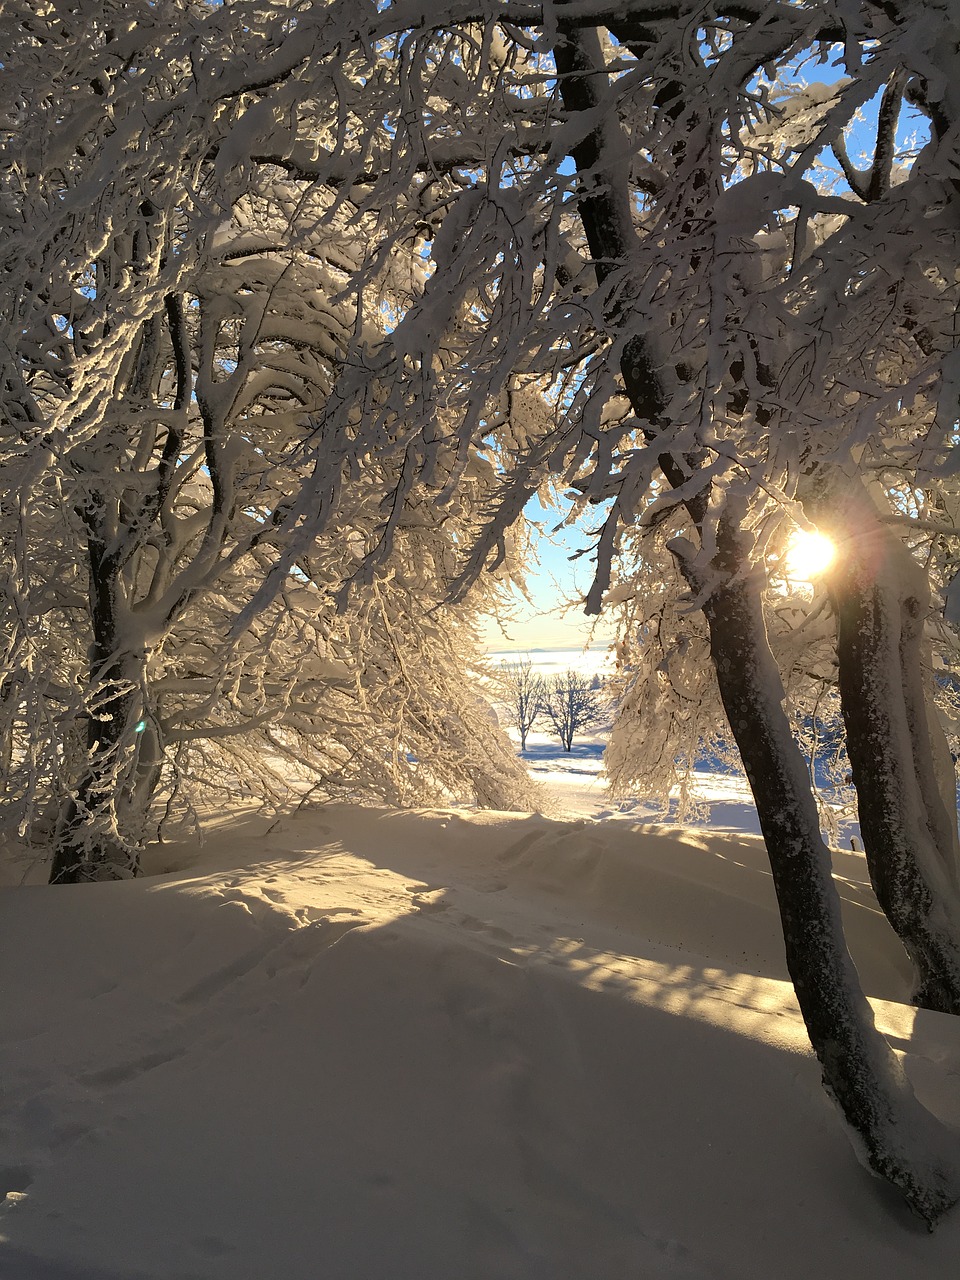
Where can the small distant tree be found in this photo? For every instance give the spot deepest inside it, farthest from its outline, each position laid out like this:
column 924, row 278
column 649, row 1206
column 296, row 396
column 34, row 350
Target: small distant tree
column 572, row 703
column 525, row 695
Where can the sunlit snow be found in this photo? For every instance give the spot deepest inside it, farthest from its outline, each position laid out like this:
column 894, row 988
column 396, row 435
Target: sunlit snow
column 379, row 1045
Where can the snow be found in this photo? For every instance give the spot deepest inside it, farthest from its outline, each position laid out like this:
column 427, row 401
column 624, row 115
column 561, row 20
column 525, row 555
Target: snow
column 575, row 782
column 369, row 1044
column 555, row 662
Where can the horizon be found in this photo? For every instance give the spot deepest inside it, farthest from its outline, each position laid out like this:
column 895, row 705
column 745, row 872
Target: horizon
column 554, row 660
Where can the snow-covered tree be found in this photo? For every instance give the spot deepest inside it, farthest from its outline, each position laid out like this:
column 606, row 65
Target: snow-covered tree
column 622, row 244
column 572, row 703
column 163, row 393
column 724, row 341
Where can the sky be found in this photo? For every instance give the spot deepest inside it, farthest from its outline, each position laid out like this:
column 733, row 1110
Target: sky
column 553, row 617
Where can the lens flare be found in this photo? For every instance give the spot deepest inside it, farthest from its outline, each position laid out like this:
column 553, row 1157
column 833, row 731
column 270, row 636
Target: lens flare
column 808, row 555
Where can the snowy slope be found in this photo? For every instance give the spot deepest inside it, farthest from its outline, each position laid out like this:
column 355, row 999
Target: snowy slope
column 439, row 1046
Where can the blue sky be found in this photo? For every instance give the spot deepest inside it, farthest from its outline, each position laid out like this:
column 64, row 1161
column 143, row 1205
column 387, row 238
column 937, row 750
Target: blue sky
column 549, row 620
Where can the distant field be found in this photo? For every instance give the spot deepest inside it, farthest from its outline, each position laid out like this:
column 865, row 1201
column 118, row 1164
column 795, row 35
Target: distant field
column 550, row 662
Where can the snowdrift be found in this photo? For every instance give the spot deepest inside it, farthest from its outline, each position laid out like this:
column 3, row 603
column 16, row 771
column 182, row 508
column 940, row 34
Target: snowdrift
column 440, row 1046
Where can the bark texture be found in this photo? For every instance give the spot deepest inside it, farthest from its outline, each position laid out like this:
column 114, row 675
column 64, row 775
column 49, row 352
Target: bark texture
column 91, row 843
column 860, row 1071
column 906, row 796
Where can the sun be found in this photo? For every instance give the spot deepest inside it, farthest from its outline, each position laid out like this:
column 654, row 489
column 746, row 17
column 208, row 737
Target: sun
column 808, row 555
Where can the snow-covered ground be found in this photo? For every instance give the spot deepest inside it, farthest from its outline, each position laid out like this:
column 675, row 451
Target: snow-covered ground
column 575, row 783
column 598, row 660
column 375, row 1045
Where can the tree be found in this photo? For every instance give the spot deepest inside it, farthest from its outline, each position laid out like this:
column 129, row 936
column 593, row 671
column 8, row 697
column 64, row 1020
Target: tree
column 524, row 693
column 718, row 568
column 572, row 704
column 700, row 233
column 622, row 247
column 161, row 394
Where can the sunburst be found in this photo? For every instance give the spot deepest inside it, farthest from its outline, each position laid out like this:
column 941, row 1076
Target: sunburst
column 809, row 554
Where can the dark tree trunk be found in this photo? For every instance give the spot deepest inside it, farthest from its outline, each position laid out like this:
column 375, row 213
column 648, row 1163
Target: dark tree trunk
column 860, row 1071
column 90, row 842
column 893, row 739
column 897, row 839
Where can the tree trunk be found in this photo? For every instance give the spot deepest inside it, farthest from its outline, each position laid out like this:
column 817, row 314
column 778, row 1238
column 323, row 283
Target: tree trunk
column 896, row 746
column 904, row 1143
column 90, row 844
column 91, row 841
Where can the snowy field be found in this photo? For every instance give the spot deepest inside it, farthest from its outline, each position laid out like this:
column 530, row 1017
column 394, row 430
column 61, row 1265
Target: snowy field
column 375, row 1045
column 576, row 786
column 575, row 783
column 553, row 662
